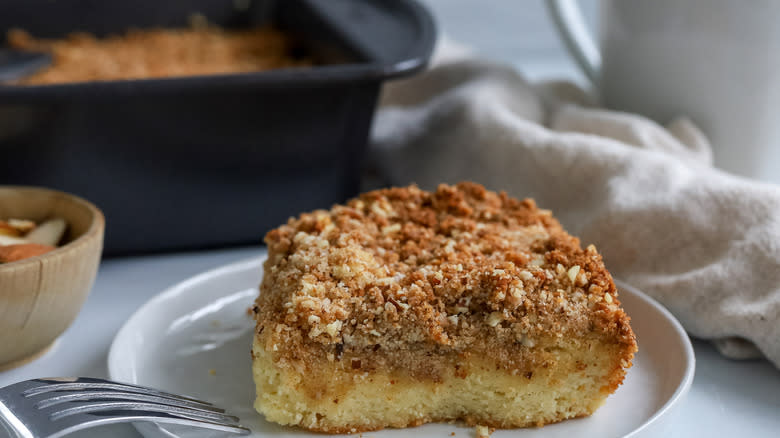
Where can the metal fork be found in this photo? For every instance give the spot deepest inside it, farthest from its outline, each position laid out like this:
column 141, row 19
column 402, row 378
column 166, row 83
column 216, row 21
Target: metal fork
column 54, row 407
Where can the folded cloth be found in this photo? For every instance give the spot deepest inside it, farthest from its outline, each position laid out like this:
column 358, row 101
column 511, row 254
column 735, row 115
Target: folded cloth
column 704, row 243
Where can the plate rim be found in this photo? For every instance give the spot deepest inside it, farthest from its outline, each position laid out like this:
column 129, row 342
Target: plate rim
column 253, row 262
column 163, row 295
column 690, row 357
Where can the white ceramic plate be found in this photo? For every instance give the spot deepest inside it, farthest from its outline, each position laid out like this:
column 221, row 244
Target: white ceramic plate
column 195, row 337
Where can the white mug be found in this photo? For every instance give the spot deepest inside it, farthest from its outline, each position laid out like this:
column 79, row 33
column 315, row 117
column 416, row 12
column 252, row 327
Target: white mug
column 715, row 61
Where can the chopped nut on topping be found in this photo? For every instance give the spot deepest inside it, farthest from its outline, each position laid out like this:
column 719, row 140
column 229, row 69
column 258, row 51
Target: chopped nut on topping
column 527, row 342
column 517, row 291
column 608, row 298
column 572, row 273
column 376, row 208
column 537, row 260
column 308, row 304
column 595, row 289
column 391, row 229
column 495, row 318
column 307, row 288
column 342, row 272
column 315, row 331
column 333, row 328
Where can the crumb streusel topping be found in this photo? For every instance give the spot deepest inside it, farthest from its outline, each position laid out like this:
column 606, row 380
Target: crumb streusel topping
column 460, row 269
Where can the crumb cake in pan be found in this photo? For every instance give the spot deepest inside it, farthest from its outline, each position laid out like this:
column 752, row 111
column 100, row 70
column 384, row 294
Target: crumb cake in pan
column 405, row 307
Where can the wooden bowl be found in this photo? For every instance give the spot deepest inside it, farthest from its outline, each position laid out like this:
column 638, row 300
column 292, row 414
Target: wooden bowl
column 41, row 296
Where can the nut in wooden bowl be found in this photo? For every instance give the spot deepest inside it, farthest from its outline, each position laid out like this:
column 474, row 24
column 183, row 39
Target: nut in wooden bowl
column 42, row 288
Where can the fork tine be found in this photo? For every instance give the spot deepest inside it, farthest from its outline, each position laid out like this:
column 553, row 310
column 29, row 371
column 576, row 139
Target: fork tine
column 88, row 384
column 106, row 408
column 71, row 424
column 60, row 397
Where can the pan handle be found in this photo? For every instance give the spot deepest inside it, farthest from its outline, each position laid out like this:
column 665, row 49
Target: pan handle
column 398, row 35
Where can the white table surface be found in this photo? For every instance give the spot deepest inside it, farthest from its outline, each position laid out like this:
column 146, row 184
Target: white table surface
column 728, row 398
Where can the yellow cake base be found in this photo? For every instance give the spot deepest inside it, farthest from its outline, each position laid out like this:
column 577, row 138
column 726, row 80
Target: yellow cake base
column 337, row 400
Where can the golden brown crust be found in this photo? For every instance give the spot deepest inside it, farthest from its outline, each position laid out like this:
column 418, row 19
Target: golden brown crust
column 402, row 278
column 468, row 420
column 158, row 53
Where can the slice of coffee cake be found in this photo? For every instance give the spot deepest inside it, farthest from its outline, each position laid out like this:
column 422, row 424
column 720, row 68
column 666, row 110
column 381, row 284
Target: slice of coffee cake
column 405, row 307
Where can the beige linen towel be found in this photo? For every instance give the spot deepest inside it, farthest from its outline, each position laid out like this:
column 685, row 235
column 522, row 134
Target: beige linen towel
column 704, row 243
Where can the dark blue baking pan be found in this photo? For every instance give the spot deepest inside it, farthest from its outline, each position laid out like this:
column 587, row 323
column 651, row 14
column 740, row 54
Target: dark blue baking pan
column 207, row 161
